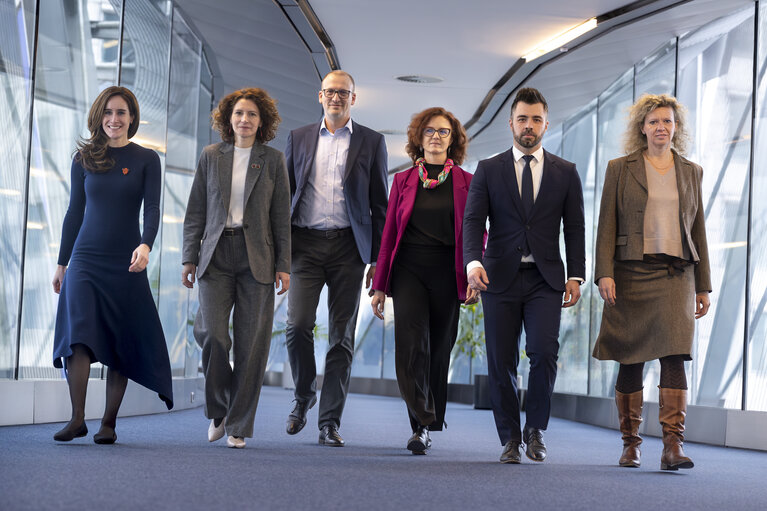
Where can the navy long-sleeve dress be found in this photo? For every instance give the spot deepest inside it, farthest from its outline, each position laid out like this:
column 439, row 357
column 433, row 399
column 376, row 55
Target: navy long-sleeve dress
column 102, row 305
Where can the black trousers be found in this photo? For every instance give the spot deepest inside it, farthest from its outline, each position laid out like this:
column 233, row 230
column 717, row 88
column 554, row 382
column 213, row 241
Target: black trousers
column 532, row 303
column 318, row 260
column 426, row 310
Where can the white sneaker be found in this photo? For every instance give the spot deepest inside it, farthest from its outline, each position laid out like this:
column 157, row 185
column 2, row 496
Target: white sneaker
column 235, row 442
column 214, row 433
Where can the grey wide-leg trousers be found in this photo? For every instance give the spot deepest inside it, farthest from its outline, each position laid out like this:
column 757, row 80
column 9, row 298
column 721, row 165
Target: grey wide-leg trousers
column 233, row 392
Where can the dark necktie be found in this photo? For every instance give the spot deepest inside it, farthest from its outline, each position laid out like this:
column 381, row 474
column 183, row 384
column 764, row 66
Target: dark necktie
column 527, row 195
column 527, row 185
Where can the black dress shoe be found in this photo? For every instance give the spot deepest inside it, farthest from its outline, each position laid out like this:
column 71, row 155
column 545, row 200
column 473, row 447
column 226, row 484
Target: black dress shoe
column 535, row 449
column 329, row 436
column 420, row 442
column 68, row 432
column 297, row 418
column 510, row 452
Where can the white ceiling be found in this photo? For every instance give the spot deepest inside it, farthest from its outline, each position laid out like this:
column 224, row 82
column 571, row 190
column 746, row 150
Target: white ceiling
column 469, row 44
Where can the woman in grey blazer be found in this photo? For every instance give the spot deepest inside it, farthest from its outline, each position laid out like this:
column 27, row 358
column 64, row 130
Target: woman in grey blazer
column 237, row 242
column 652, row 270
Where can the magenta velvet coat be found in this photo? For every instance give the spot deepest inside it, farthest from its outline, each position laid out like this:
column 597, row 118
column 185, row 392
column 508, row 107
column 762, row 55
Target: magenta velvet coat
column 401, row 201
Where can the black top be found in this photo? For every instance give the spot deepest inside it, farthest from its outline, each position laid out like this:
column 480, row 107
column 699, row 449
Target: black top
column 433, row 220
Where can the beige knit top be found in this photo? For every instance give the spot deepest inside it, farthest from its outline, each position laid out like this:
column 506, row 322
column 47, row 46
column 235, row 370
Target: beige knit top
column 662, row 232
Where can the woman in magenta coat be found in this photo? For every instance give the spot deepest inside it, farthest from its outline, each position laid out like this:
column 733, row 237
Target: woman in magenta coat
column 420, row 265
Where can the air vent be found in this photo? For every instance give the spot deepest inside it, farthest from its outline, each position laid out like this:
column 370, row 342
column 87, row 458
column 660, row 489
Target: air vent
column 419, row 79
column 391, row 132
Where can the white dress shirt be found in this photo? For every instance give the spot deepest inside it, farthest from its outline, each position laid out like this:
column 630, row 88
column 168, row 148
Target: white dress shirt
column 323, row 205
column 237, row 197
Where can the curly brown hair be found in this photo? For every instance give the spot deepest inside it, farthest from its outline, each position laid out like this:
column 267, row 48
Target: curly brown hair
column 92, row 152
column 458, row 143
column 635, row 140
column 267, row 109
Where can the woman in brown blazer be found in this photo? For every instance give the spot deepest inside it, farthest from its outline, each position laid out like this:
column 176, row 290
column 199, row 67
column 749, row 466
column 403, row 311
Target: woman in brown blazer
column 652, row 270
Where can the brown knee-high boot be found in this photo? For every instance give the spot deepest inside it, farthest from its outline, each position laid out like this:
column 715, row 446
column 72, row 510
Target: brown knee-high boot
column 630, row 417
column 673, row 409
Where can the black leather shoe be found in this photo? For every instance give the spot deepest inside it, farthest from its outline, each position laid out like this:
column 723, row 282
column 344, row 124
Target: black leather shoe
column 68, row 432
column 329, row 436
column 420, row 442
column 297, row 418
column 535, row 449
column 510, row 452
column 105, row 436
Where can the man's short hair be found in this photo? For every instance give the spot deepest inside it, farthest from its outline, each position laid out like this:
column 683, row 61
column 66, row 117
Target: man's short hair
column 531, row 97
column 339, row 72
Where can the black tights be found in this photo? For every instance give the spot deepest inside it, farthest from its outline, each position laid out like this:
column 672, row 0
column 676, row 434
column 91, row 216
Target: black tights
column 672, row 375
column 78, row 366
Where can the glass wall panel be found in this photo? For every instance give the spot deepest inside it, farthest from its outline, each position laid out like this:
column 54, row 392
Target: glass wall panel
column 76, row 58
column 655, row 74
column 579, row 147
column 16, row 22
column 369, row 342
column 181, row 161
column 712, row 65
column 613, row 107
column 756, row 397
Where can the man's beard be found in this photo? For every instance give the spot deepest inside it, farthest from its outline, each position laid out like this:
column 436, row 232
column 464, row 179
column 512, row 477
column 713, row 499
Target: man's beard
column 527, row 142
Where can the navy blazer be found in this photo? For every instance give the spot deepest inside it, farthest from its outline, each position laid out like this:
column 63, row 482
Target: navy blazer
column 365, row 182
column 494, row 193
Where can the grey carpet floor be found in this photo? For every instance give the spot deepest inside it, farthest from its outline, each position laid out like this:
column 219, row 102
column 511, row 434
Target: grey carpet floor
column 165, row 462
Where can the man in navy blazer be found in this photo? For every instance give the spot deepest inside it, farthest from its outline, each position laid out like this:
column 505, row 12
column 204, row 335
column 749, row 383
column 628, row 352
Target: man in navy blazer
column 527, row 193
column 338, row 184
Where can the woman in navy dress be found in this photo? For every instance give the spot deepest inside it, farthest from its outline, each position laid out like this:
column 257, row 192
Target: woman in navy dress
column 106, row 313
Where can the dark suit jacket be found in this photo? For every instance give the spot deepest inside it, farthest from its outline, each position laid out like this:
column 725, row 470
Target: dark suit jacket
column 620, row 235
column 401, row 202
column 266, row 215
column 494, row 193
column 365, row 181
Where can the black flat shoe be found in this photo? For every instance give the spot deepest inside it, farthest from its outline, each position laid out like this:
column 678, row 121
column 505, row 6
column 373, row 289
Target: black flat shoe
column 329, row 436
column 535, row 449
column 105, row 436
column 67, row 433
column 510, row 452
column 297, row 418
column 420, row 442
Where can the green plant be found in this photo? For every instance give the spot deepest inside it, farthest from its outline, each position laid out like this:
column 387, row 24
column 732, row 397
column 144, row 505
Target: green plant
column 471, row 330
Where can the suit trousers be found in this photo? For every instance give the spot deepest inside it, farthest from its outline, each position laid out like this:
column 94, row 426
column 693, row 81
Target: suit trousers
column 318, row 260
column 229, row 284
column 532, row 303
column 426, row 310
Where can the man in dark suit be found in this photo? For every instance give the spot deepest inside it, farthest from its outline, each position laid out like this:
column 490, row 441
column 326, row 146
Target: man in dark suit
column 337, row 170
column 526, row 192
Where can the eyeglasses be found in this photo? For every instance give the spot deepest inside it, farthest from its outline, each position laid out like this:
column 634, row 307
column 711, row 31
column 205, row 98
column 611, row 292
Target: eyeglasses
column 342, row 93
column 443, row 132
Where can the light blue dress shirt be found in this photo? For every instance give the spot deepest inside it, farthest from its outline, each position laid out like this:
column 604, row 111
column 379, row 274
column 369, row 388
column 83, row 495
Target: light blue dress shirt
column 323, row 205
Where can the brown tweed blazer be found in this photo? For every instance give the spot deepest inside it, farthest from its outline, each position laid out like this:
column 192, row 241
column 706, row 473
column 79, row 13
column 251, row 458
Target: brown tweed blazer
column 620, row 236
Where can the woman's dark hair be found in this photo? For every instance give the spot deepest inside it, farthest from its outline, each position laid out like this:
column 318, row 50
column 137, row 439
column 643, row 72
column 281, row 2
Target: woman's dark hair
column 458, row 143
column 92, row 152
column 267, row 110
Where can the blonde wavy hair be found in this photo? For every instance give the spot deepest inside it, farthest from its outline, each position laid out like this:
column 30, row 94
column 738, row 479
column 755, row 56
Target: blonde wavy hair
column 635, row 140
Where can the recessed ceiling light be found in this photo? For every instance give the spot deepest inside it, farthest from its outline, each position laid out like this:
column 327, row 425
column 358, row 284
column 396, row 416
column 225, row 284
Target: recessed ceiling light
column 419, row 79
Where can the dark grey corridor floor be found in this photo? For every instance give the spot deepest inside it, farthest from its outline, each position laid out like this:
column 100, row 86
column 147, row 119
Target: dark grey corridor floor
column 165, row 462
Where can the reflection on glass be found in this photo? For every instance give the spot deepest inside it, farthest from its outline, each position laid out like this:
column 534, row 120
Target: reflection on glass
column 15, row 102
column 756, row 397
column 579, row 147
column 712, row 65
column 655, row 74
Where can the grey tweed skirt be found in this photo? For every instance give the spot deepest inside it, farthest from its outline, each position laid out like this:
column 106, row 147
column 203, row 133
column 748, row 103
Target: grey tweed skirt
column 653, row 315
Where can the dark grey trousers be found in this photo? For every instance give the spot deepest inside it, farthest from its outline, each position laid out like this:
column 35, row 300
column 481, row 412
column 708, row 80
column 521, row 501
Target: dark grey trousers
column 228, row 283
column 317, row 261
